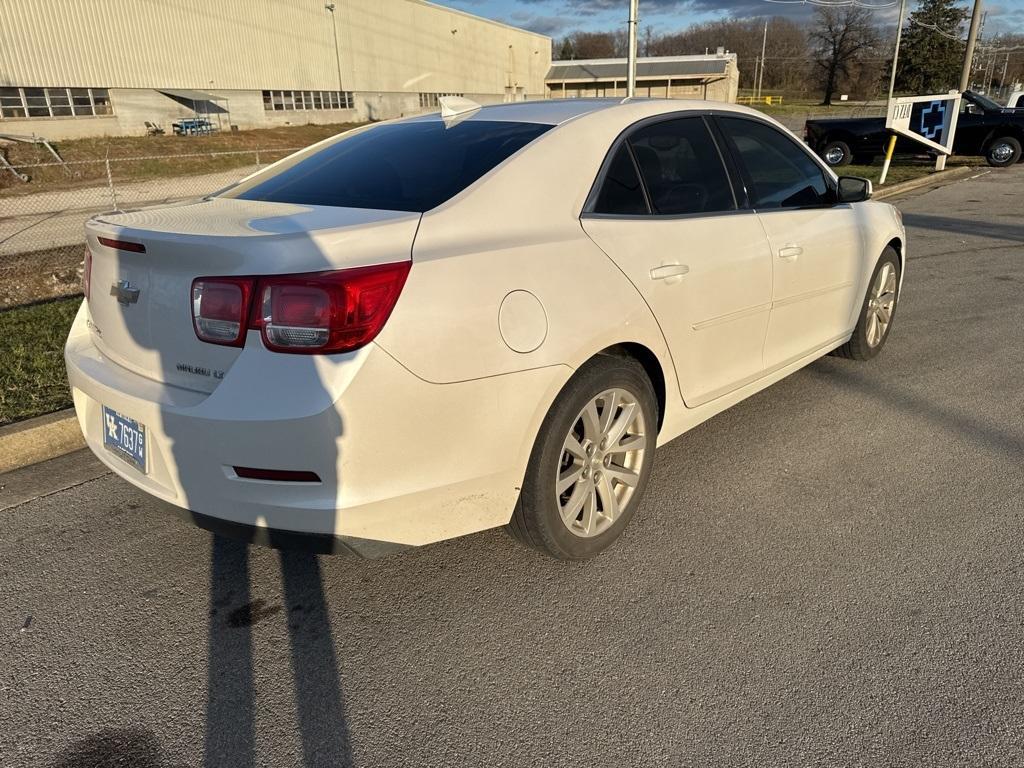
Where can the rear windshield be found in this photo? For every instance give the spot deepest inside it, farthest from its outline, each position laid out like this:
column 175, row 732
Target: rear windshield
column 412, row 166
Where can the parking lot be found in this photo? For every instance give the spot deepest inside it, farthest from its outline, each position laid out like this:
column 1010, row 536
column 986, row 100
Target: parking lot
column 829, row 573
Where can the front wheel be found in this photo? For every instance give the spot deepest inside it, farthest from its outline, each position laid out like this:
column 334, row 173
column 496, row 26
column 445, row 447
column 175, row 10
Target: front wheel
column 877, row 312
column 1003, row 151
column 591, row 461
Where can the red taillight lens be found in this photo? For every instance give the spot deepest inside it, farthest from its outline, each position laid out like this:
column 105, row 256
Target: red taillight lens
column 326, row 312
column 314, row 313
column 87, row 272
column 220, row 306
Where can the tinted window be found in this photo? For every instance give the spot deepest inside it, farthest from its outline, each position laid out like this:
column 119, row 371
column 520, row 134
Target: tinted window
column 681, row 167
column 783, row 175
column 398, row 167
column 621, row 192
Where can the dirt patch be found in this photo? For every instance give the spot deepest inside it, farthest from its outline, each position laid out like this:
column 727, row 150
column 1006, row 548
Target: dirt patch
column 49, row 274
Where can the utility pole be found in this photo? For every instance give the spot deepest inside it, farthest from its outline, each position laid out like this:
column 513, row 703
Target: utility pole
column 631, row 60
column 972, row 38
column 764, row 45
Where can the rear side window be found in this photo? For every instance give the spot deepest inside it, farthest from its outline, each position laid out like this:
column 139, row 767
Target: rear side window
column 681, row 167
column 412, row 166
column 782, row 174
column 621, row 192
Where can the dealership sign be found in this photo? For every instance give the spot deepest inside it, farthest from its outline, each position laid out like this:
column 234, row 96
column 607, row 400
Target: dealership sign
column 929, row 120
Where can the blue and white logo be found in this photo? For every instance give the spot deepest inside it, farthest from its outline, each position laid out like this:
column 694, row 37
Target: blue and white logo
column 933, row 118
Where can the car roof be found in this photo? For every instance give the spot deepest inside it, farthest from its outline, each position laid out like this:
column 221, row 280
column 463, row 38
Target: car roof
column 557, row 111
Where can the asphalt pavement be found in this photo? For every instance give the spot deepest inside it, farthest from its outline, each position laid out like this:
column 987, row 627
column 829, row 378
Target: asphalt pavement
column 829, row 573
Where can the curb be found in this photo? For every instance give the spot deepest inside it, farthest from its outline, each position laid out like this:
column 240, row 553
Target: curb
column 34, row 440
column 939, row 177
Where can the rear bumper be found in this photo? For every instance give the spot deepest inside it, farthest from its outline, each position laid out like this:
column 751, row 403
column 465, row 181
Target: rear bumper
column 317, row 543
column 401, row 461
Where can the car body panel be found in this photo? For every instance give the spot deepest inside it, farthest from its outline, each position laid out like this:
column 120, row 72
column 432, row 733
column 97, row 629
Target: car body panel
column 426, row 432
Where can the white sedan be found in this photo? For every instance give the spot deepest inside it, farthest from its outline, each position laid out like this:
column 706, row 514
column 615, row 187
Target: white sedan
column 433, row 326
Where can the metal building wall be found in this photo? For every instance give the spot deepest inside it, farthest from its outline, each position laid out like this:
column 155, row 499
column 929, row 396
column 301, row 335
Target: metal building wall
column 385, row 45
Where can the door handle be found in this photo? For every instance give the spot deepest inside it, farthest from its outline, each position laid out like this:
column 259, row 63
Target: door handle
column 789, row 252
column 669, row 270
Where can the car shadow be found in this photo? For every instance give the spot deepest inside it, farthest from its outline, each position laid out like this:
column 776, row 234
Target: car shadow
column 965, row 226
column 230, row 728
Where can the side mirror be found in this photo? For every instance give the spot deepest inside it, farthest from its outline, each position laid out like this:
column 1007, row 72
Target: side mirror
column 854, row 189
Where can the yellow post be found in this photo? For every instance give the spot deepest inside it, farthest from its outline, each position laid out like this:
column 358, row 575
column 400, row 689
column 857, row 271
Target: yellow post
column 888, row 159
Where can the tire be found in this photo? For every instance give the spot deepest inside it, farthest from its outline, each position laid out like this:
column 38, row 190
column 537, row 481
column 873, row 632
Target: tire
column 549, row 521
column 866, row 341
column 1003, row 151
column 836, row 153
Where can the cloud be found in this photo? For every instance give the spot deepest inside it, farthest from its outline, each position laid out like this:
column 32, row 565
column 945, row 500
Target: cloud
column 552, row 26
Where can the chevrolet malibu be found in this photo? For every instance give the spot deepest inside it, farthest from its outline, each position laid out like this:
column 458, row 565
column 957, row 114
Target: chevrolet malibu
column 429, row 327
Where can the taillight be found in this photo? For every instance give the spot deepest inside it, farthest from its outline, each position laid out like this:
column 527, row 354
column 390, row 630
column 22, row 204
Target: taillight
column 314, row 313
column 220, row 306
column 87, row 272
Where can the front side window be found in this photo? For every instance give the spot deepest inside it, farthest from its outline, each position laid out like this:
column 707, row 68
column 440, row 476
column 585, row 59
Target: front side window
column 681, row 167
column 781, row 173
column 412, row 166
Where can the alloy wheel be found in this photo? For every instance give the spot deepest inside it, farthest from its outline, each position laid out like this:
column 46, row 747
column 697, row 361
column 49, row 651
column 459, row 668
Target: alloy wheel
column 1002, row 152
column 881, row 303
column 601, row 461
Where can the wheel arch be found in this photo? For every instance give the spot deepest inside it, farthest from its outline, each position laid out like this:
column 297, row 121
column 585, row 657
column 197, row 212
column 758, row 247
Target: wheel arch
column 652, row 367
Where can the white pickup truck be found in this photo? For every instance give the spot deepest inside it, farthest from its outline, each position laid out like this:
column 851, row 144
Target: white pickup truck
column 1016, row 100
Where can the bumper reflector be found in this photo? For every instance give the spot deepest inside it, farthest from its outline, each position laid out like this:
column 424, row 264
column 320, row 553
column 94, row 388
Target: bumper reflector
column 277, row 475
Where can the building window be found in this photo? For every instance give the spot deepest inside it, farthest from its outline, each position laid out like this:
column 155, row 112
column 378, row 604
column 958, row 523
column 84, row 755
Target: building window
column 277, row 101
column 430, row 100
column 54, row 102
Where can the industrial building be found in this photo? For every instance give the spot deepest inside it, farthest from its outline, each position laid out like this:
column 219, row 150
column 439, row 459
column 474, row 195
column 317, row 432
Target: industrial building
column 711, row 76
column 107, row 67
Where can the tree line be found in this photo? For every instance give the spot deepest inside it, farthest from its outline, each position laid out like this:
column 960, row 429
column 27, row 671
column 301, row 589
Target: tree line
column 839, row 50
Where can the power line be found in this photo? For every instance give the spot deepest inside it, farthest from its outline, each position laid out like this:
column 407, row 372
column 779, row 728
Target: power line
column 834, row 3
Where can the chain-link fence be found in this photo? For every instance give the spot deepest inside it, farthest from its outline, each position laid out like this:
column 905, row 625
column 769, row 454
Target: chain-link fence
column 41, row 218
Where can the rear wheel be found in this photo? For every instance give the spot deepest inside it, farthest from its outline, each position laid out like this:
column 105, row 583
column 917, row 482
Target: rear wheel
column 877, row 312
column 591, row 462
column 837, row 153
column 1003, row 151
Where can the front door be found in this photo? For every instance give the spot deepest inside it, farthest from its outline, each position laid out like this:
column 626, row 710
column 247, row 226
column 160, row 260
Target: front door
column 815, row 243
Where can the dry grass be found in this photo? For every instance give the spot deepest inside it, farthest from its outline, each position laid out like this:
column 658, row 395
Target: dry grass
column 270, row 142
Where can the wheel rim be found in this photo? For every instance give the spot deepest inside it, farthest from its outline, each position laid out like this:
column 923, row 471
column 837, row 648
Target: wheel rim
column 834, row 155
column 601, row 461
column 881, row 302
column 1002, row 152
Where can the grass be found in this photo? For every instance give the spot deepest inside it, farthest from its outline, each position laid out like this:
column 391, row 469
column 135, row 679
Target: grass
column 271, row 143
column 32, row 376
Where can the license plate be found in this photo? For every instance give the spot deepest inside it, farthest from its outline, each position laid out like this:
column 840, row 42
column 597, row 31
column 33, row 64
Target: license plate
column 125, row 438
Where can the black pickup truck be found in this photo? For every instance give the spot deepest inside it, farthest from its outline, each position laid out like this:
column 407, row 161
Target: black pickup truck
column 983, row 128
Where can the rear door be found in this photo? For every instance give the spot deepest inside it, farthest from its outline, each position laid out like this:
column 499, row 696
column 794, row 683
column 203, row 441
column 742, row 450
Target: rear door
column 666, row 213
column 815, row 244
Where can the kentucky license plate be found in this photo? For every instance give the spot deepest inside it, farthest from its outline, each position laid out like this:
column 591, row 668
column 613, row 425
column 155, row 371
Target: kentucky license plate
column 125, row 438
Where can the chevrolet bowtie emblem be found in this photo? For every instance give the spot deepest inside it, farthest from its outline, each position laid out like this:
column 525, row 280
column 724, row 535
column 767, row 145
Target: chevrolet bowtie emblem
column 124, row 292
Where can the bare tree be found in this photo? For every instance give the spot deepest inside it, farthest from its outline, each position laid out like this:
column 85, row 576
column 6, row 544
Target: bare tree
column 840, row 38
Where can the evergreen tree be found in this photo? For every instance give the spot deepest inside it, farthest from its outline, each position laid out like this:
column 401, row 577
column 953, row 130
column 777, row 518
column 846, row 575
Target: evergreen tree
column 932, row 51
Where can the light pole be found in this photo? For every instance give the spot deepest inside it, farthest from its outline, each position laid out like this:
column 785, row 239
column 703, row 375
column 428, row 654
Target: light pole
column 892, row 87
column 631, row 59
column 764, row 45
column 337, row 54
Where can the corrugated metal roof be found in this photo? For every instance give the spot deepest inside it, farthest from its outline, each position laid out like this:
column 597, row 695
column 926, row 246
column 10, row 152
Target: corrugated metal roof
column 608, row 69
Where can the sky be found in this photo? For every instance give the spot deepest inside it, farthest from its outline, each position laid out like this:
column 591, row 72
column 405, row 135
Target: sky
column 558, row 17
